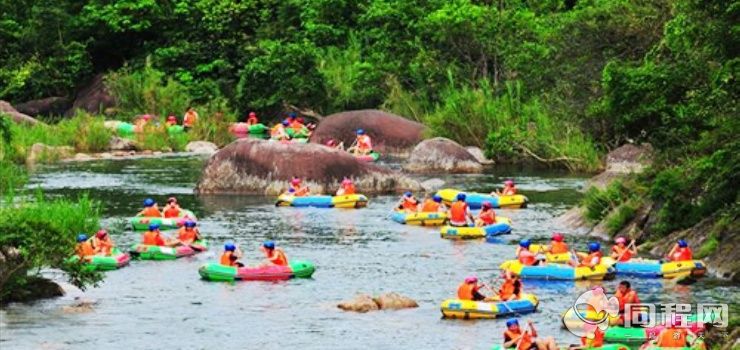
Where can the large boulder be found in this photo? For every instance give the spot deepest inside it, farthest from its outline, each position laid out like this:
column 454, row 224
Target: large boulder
column 264, row 167
column 45, row 106
column 93, row 98
column 40, row 152
column 390, row 133
column 442, row 155
column 387, row 301
column 624, row 160
column 18, row 117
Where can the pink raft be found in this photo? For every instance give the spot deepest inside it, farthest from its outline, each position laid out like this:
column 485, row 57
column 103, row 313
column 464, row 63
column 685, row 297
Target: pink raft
column 218, row 272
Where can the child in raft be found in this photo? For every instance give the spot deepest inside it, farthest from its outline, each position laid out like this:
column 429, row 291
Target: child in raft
column 591, row 259
column 102, row 243
column 433, row 205
column 470, row 290
column 408, row 203
column 680, row 252
column 298, row 189
column 150, row 209
column 621, row 251
column 252, row 119
column 508, row 190
column 459, row 213
column 557, row 244
column 84, row 247
column 527, row 340
column 511, row 289
column 275, row 256
column 188, row 234
column 347, row 187
column 171, row 209
column 231, row 255
column 527, row 257
column 487, row 215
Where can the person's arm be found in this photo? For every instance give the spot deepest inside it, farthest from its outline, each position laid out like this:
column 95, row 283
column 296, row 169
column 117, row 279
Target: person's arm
column 673, row 250
column 511, row 342
column 634, row 247
column 531, row 327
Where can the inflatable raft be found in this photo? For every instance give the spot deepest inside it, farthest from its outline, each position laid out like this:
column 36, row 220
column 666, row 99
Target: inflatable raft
column 641, row 335
column 116, row 260
column 475, row 200
column 502, row 226
column 656, row 269
column 141, row 223
column 218, row 272
column 551, row 258
column 347, row 201
column 124, row 128
column 304, row 133
column 153, row 252
column 244, row 128
column 603, row 347
column 559, row 271
column 422, row 218
column 372, row 157
column 468, row 309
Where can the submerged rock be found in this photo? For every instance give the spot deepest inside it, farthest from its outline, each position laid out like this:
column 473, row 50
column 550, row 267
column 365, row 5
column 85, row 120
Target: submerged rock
column 265, row 167
column 201, row 147
column 80, row 306
column 387, row 301
column 390, row 133
column 361, row 303
column 442, row 155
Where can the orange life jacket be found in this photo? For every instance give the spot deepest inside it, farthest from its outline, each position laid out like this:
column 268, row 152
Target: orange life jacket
column 172, row 212
column 627, row 298
column 509, row 191
column 526, row 257
column 277, row 257
column 85, row 249
column 430, row 206
column 596, row 342
column 151, row 212
column 588, row 259
column 364, row 143
column 508, row 289
column 466, row 291
column 672, row 338
column 296, row 126
column 186, row 235
column 190, row 118
column 458, row 212
column 104, row 246
column 226, row 259
column 624, row 252
column 410, row 204
column 682, row 254
column 349, row 189
column 525, row 342
column 558, row 247
column 487, row 216
column 152, row 238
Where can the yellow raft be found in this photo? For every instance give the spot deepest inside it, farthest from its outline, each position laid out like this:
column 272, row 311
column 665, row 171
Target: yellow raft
column 468, row 309
column 502, row 226
column 346, row 201
column 559, row 271
column 421, row 218
column 551, row 258
column 657, row 269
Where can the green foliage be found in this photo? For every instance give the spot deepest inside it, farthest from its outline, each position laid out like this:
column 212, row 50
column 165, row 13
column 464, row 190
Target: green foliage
column 44, row 232
column 599, row 203
column 620, row 216
column 147, row 91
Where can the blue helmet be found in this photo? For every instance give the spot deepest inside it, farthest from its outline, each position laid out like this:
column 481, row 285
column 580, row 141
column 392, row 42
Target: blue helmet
column 407, row 194
column 81, row 237
column 149, row 202
column 437, row 198
column 229, row 247
column 682, row 243
column 285, row 123
column 461, row 196
column 512, row 321
column 525, row 243
column 190, row 223
column 594, row 247
column 292, row 115
column 153, row 227
column 360, row 132
column 269, row 244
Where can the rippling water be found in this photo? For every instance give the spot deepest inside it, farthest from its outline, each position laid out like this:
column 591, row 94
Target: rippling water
column 165, row 304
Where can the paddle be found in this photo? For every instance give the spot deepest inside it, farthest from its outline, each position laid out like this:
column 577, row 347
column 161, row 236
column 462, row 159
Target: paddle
column 632, row 244
column 502, row 302
column 519, row 342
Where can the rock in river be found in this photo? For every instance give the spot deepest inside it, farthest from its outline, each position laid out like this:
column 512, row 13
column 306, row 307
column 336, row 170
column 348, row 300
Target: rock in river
column 442, row 155
column 387, row 301
column 265, row 167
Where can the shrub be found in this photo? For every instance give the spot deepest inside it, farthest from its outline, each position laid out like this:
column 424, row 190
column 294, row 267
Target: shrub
column 599, row 203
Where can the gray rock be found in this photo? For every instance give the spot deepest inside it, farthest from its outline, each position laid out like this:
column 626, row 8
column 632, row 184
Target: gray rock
column 361, row 303
column 121, row 144
column 40, row 152
column 201, row 147
column 479, row 155
column 82, row 157
column 442, row 155
column 18, row 117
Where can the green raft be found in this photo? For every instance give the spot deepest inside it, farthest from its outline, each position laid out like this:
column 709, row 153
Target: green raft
column 116, row 260
column 220, row 273
column 604, row 347
column 302, row 134
column 128, row 129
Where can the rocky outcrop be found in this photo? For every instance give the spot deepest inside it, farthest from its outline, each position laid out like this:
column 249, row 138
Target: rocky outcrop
column 264, row 167
column 121, row 144
column 93, row 98
column 387, row 301
column 479, row 155
column 390, row 133
column 18, row 117
column 624, row 160
column 40, row 152
column 442, row 155
column 201, row 147
column 45, row 106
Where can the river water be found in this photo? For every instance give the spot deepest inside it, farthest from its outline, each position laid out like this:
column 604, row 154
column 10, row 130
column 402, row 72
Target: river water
column 151, row 305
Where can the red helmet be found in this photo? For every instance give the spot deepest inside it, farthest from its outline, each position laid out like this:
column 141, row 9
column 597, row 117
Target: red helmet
column 295, row 181
column 557, row 237
column 509, row 182
column 621, row 240
column 347, row 181
column 487, row 205
column 101, row 233
column 146, row 117
column 252, row 114
column 471, row 279
column 171, row 118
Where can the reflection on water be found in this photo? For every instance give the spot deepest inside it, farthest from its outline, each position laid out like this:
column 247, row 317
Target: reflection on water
column 165, row 304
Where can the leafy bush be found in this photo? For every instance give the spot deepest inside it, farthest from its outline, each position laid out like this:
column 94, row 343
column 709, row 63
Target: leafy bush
column 599, row 203
column 619, row 217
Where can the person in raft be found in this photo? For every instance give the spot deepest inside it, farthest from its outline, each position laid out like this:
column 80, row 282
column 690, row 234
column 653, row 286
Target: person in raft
column 84, row 247
column 486, row 216
column 673, row 336
column 331, row 143
column 153, row 236
column 102, row 243
column 557, row 244
column 141, row 122
column 363, row 144
column 231, row 255
column 408, row 203
column 252, row 119
column 591, row 259
column 296, row 123
column 470, row 290
column 298, row 188
column 459, row 213
column 171, row 121
column 623, row 252
column 172, row 209
column 680, row 252
column 508, row 190
column 346, row 188
column 275, row 256
column 525, row 256
column 433, row 205
column 150, row 209
column 278, row 131
column 625, row 295
column 511, row 289
column 188, row 233
column 527, row 340
column 190, row 118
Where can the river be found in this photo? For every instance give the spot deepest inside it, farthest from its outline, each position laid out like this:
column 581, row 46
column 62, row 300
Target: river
column 151, row 304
